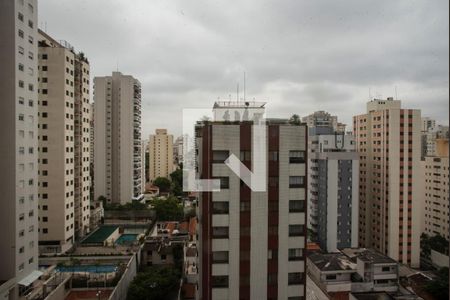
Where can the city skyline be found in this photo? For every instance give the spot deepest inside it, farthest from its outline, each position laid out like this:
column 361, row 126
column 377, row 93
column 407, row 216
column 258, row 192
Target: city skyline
column 314, row 58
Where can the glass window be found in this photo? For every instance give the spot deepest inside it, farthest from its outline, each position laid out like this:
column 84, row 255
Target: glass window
column 219, row 156
column 220, row 207
column 220, row 257
column 296, row 181
column 295, row 278
column 296, row 206
column 295, row 254
column 296, row 230
column 219, row 281
column 220, row 232
column 296, row 157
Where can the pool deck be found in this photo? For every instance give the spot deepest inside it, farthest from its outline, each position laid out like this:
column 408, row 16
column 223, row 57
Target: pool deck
column 100, row 235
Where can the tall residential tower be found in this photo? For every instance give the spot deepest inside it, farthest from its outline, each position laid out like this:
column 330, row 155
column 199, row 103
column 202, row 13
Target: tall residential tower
column 160, row 154
column 117, row 138
column 388, row 139
column 19, row 149
column 64, row 118
column 252, row 243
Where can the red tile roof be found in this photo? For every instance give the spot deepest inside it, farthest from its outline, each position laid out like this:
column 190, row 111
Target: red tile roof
column 192, row 226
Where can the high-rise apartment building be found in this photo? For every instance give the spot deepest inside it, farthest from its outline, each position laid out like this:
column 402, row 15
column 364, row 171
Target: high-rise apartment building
column 117, row 138
column 435, row 179
column 333, row 193
column 178, row 150
column 160, row 154
column 252, row 244
column 431, row 132
column 320, row 119
column 64, row 124
column 388, row 140
column 19, row 149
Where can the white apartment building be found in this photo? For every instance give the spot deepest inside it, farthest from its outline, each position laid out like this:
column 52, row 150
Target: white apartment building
column 323, row 119
column 436, row 184
column 117, row 138
column 388, row 141
column 252, row 244
column 333, row 194
column 19, row 149
column 64, row 124
column 160, row 154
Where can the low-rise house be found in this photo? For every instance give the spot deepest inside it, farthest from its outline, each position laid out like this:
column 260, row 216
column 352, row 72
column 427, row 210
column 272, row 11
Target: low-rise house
column 157, row 252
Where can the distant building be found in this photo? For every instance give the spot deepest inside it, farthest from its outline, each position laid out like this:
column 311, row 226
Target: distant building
column 64, row 145
column 388, row 140
column 435, row 193
column 160, row 154
column 321, row 119
column 117, row 138
column 333, row 194
column 430, row 133
column 178, row 150
column 19, row 147
column 252, row 244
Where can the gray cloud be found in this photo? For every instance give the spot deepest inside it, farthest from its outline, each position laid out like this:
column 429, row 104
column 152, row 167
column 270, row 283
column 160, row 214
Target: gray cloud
column 300, row 56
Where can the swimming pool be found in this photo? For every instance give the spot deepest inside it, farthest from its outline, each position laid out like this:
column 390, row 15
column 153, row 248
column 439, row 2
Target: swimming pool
column 126, row 238
column 88, row 268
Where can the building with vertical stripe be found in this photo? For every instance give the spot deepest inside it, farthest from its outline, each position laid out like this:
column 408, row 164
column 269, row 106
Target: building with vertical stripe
column 252, row 244
column 389, row 142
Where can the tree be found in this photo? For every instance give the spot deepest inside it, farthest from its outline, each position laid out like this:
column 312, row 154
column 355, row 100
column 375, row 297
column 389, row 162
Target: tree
column 177, row 182
column 190, row 214
column 154, row 284
column 168, row 210
column 162, row 183
column 295, row 119
column 438, row 288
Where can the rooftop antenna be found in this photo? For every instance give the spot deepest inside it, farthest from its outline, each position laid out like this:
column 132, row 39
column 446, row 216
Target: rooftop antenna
column 244, row 86
column 396, row 95
column 117, row 66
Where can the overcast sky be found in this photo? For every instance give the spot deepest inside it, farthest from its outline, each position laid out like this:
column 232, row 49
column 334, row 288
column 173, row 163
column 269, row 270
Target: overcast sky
column 299, row 56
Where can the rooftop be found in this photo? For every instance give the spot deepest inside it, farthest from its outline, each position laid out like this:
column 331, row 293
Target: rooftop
column 331, row 261
column 368, row 255
column 239, row 104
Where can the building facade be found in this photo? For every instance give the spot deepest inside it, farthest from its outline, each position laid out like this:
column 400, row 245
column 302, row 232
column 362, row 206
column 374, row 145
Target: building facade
column 435, row 175
column 252, row 244
column 19, row 149
column 333, row 193
column 117, row 138
column 321, row 119
column 64, row 118
column 160, row 154
column 388, row 140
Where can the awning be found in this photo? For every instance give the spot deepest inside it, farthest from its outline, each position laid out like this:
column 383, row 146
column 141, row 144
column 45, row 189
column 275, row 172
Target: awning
column 30, row 278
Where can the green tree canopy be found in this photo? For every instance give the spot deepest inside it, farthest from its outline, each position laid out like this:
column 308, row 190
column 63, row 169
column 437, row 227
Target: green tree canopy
column 154, row 284
column 177, row 182
column 295, row 119
column 168, row 210
column 162, row 183
column 438, row 288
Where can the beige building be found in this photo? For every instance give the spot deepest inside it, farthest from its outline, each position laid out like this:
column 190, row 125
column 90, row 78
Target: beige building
column 388, row 139
column 160, row 154
column 117, row 138
column 435, row 175
column 63, row 145
column 19, row 147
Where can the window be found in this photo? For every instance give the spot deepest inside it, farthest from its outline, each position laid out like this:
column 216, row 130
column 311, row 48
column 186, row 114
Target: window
column 295, row 254
column 30, row 55
column 44, row 68
column 220, row 207
column 219, row 281
column 45, row 230
column 224, row 182
column 30, row 24
column 296, row 206
column 220, row 232
column 219, row 156
column 21, row 83
column 44, row 56
column 295, row 278
column 331, row 277
column 296, row 230
column 296, row 181
column 246, row 155
column 20, row 17
column 21, row 50
column 273, row 155
column 296, row 157
column 21, row 67
column 245, row 206
column 220, row 257
column 21, row 33
column 386, row 269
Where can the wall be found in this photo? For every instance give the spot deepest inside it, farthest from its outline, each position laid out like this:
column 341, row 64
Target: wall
column 439, row 260
column 120, row 292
